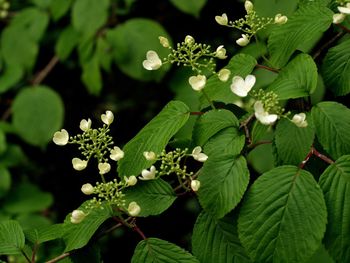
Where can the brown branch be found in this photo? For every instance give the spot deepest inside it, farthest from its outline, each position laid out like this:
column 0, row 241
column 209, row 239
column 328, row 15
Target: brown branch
column 138, row 230
column 344, row 28
column 244, row 124
column 196, row 113
column 56, row 259
column 327, row 44
column 322, row 157
column 41, row 75
column 267, row 68
column 253, row 145
column 316, row 153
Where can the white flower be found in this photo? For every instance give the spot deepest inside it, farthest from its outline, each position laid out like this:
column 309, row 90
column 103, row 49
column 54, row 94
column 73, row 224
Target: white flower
column 338, row 18
column 164, row 41
column 61, row 137
column 243, row 41
column 344, row 9
column 77, row 216
column 300, row 120
column 224, row 74
column 198, row 155
column 134, row 209
column 263, row 116
column 197, row 82
column 152, row 62
column 79, row 164
column 222, row 20
column 85, row 125
column 150, row 156
column 116, row 153
column 108, row 117
column 220, row 52
column 104, row 168
column 248, row 6
column 131, row 180
column 195, row 184
column 189, row 40
column 87, row 189
column 240, row 86
column 280, row 20
column 148, row 174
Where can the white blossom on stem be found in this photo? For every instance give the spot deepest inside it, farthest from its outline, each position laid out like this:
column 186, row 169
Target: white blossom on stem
column 134, row 209
column 240, row 86
column 197, row 82
column 280, row 19
column 85, row 124
column 344, row 9
column 222, row 20
column 221, row 52
column 131, row 180
column 77, row 216
column 195, row 184
column 152, row 62
column 150, row 156
column 116, row 153
column 224, row 74
column 338, row 18
column 108, row 117
column 79, row 164
column 87, row 189
column 164, row 41
column 243, row 41
column 263, row 116
column 148, row 174
column 104, row 168
column 189, row 40
column 198, row 155
column 61, row 137
column 300, row 120
column 248, row 6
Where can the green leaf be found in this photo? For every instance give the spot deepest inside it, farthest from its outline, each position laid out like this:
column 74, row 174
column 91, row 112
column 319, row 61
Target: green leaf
column 78, row 235
column 148, row 193
column 59, row 8
column 226, row 141
column 10, row 76
column 293, row 151
column 336, row 69
column 211, row 123
column 303, row 26
column 239, row 65
column 285, row 7
column 217, row 240
column 44, row 233
column 154, row 250
column 11, row 238
column 66, row 42
column 192, row 7
column 153, row 137
column 220, row 193
column 89, row 15
column 26, row 198
column 5, row 181
column 332, row 126
column 283, row 216
column 297, row 79
column 335, row 183
column 42, row 3
column 91, row 76
column 130, row 42
column 37, row 114
column 13, row 156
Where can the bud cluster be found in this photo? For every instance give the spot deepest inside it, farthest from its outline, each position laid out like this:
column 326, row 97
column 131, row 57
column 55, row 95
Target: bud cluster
column 269, row 99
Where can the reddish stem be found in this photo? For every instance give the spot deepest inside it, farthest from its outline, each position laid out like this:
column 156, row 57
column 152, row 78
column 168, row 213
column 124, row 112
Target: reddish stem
column 196, row 113
column 313, row 151
column 138, row 230
column 268, row 68
column 344, row 28
column 41, row 75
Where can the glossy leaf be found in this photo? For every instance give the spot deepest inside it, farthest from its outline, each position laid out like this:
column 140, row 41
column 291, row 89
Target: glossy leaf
column 224, row 179
column 154, row 250
column 37, row 114
column 44, row 233
column 332, row 126
column 297, row 79
column 283, row 216
column 11, row 238
column 153, row 137
column 335, row 183
column 336, row 69
column 304, row 25
column 154, row 196
column 217, row 240
column 293, row 143
column 211, row 123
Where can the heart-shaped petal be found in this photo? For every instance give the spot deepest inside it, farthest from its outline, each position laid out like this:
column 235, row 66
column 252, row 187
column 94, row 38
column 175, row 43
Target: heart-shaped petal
column 61, row 137
column 107, row 118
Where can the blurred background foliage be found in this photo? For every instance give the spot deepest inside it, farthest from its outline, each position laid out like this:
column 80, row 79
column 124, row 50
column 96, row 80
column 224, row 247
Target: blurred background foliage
column 64, row 60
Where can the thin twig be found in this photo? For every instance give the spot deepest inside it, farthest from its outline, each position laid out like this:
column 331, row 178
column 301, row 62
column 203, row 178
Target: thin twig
column 35, row 249
column 322, row 157
column 327, row 44
column 253, row 145
column 196, row 113
column 316, row 153
column 244, row 124
column 41, row 75
column 56, row 259
column 344, row 28
column 267, row 68
column 138, row 230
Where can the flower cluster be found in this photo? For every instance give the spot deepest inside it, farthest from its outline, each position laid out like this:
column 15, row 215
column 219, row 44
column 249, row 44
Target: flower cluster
column 250, row 24
column 171, row 163
column 344, row 10
column 191, row 54
column 95, row 143
column 4, row 7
